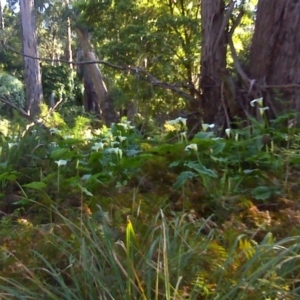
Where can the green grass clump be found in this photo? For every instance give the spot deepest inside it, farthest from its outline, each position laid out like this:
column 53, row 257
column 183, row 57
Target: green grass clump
column 86, row 258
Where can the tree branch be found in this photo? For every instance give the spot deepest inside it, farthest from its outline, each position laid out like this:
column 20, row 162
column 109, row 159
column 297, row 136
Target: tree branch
column 135, row 70
column 20, row 110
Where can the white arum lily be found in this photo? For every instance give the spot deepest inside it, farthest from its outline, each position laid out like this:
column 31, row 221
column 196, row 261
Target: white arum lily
column 177, row 121
column 228, row 132
column 206, row 126
column 61, row 162
column 259, row 101
column 98, row 146
column 262, row 110
column 191, row 147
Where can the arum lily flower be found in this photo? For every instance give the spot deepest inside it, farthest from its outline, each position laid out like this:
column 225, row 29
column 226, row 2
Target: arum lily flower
column 122, row 138
column 228, row 132
column 98, row 146
column 61, row 162
column 259, row 101
column 86, row 177
column 177, row 121
column 206, row 126
column 191, row 147
column 116, row 151
column 10, row 145
column 262, row 109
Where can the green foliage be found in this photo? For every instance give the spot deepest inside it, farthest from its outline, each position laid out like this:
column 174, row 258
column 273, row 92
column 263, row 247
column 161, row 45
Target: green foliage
column 160, row 37
column 63, row 82
column 11, row 90
column 55, row 178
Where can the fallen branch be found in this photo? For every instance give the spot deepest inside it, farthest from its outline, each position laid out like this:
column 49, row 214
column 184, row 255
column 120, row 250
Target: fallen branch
column 20, row 110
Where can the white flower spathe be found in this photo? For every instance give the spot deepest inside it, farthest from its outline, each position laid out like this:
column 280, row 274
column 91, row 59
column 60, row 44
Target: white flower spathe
column 259, row 101
column 206, row 126
column 98, row 146
column 191, row 147
column 228, row 132
column 262, row 110
column 61, row 162
column 177, row 121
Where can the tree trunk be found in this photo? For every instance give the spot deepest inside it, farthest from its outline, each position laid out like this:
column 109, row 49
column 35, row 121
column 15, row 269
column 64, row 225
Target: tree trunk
column 34, row 91
column 213, row 58
column 1, row 20
column 105, row 103
column 90, row 96
column 274, row 54
column 69, row 53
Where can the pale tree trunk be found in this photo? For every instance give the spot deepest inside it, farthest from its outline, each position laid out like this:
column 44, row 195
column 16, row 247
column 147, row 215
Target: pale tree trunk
column 274, row 54
column 90, row 102
column 105, row 103
column 69, row 53
column 1, row 19
column 53, row 47
column 213, row 59
column 34, row 91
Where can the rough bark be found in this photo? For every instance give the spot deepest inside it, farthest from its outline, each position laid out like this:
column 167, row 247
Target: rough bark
column 274, row 54
column 105, row 103
column 213, row 58
column 90, row 96
column 34, row 91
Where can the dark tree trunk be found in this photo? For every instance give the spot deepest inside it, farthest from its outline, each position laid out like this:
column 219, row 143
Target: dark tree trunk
column 90, row 96
column 274, row 54
column 213, row 58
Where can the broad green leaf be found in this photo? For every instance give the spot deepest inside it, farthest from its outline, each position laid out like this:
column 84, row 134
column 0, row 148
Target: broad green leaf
column 174, row 164
column 60, row 153
column 201, row 169
column 218, row 147
column 262, row 192
column 8, row 176
column 182, row 178
column 36, row 185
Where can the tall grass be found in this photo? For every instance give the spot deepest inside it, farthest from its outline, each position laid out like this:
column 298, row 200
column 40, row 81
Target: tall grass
column 172, row 260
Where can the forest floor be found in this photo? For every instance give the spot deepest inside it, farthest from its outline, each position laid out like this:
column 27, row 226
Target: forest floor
column 120, row 216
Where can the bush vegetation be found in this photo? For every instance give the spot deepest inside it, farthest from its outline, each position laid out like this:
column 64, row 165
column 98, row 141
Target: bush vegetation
column 107, row 213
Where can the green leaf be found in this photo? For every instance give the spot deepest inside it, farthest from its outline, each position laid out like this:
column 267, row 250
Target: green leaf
column 85, row 191
column 60, row 153
column 36, row 185
column 201, row 169
column 218, row 147
column 8, row 176
column 261, row 193
column 249, row 171
column 182, row 178
column 174, row 164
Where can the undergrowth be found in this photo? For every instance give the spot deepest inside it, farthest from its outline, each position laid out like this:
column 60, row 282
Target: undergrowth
column 110, row 213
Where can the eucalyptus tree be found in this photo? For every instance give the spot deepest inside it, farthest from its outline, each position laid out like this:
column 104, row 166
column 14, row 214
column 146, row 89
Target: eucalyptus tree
column 274, row 55
column 33, row 82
